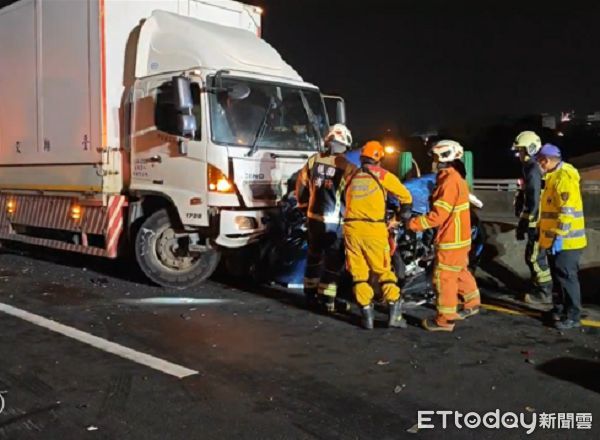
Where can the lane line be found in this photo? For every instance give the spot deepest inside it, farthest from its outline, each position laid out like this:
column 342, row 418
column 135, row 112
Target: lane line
column 99, row 343
column 510, row 311
column 584, row 322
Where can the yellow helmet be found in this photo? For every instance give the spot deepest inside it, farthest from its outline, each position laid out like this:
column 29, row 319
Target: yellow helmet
column 529, row 141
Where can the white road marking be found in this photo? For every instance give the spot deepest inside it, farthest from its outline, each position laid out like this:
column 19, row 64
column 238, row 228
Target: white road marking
column 102, row 344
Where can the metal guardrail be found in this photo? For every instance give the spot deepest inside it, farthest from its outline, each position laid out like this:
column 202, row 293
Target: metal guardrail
column 588, row 186
column 496, row 184
column 498, row 195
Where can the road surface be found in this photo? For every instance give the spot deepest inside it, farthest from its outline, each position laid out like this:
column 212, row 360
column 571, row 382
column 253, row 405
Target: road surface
column 252, row 363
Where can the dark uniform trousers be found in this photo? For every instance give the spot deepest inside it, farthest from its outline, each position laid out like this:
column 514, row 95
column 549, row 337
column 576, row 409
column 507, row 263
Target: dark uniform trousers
column 325, row 258
column 565, row 268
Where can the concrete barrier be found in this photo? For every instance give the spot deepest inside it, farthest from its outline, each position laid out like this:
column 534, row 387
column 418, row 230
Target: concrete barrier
column 503, row 263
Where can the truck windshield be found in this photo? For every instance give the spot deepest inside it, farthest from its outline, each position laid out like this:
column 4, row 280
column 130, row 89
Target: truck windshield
column 271, row 115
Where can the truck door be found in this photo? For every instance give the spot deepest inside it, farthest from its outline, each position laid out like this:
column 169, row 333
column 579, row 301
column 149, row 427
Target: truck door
column 162, row 161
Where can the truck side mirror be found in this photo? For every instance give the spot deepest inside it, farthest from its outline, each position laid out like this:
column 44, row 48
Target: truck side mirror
column 182, row 91
column 184, row 104
column 340, row 109
column 186, row 125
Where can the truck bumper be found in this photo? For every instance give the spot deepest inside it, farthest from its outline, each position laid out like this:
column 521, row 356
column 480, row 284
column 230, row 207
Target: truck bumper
column 240, row 228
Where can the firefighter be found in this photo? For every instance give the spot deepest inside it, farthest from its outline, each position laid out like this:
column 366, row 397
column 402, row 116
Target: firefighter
column 562, row 233
column 527, row 144
column 319, row 190
column 450, row 213
column 366, row 234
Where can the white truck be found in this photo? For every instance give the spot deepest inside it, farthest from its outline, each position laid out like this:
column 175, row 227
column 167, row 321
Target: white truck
column 167, row 124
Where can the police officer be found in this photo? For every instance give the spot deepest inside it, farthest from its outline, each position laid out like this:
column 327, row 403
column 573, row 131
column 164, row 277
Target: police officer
column 319, row 189
column 527, row 144
column 562, row 233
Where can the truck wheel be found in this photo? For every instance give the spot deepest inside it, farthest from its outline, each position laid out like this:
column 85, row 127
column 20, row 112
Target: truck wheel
column 166, row 258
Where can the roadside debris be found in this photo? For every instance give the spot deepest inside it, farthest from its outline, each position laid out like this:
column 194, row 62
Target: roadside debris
column 414, row 429
column 528, row 356
column 382, row 362
column 99, row 281
column 92, row 428
column 399, row 388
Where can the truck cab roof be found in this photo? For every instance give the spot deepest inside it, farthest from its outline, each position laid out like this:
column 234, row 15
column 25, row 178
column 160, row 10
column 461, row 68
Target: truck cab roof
column 170, row 42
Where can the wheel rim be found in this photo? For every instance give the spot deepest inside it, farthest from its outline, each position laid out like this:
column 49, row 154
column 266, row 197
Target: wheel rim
column 173, row 253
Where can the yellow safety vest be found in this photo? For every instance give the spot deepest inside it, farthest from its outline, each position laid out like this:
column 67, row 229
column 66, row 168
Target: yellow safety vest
column 561, row 212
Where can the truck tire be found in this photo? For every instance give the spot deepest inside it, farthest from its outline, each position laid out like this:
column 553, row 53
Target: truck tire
column 164, row 259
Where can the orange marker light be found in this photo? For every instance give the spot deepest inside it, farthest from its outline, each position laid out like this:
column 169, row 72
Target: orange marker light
column 76, row 212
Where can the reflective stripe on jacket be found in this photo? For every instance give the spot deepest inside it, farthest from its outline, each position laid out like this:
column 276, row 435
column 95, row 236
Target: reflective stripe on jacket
column 450, row 212
column 561, row 213
column 321, row 184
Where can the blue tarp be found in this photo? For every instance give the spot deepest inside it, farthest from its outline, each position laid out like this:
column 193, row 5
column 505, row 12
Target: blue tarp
column 421, row 189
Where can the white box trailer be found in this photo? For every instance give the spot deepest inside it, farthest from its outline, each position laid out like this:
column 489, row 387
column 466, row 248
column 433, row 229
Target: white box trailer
column 169, row 122
column 71, row 61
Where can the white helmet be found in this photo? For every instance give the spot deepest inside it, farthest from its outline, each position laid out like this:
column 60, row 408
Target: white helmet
column 529, row 141
column 340, row 134
column 447, row 151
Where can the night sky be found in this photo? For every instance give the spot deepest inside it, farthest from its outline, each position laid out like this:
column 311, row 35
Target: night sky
column 415, row 65
column 418, row 64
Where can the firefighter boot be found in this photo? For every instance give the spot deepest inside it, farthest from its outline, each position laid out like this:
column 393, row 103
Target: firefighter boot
column 328, row 304
column 367, row 317
column 395, row 315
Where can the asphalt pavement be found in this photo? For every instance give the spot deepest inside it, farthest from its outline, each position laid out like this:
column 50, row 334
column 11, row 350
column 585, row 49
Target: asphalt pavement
column 91, row 350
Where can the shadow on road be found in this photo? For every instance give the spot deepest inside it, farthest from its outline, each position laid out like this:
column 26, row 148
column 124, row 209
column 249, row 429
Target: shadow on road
column 123, row 268
column 579, row 371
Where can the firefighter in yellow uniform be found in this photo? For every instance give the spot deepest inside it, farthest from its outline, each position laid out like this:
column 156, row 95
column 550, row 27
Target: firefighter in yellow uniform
column 366, row 235
column 562, row 233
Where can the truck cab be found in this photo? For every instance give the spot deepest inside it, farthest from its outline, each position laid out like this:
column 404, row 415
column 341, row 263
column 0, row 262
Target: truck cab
column 216, row 132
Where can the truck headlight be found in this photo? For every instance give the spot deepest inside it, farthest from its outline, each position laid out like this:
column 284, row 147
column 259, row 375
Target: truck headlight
column 217, row 181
